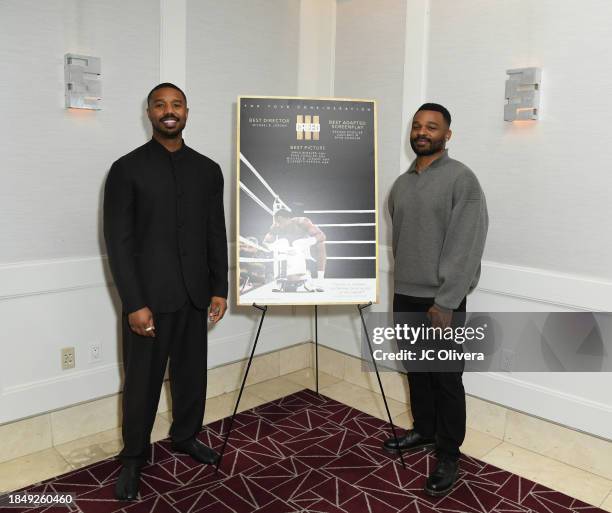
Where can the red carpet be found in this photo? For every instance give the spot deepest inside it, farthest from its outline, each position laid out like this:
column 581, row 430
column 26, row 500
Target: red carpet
column 304, row 453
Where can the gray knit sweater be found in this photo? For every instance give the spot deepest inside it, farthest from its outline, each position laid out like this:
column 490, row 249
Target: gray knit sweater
column 440, row 225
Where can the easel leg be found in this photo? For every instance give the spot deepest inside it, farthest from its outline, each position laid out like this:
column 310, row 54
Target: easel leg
column 263, row 309
column 382, row 391
column 316, row 351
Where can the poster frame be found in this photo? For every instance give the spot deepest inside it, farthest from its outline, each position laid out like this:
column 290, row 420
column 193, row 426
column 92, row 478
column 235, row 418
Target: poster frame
column 237, row 199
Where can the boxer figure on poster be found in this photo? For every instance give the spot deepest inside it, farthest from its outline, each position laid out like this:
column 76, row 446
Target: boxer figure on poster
column 296, row 241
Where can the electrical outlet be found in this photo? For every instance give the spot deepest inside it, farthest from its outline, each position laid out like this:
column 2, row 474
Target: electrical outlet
column 68, row 359
column 95, row 352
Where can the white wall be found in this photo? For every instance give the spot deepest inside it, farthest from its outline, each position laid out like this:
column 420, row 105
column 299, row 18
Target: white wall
column 317, row 47
column 54, row 160
column 55, row 288
column 233, row 48
column 369, row 51
column 368, row 63
column 546, row 182
column 369, row 47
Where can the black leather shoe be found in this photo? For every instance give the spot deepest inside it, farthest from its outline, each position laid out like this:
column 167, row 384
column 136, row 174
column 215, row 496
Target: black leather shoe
column 442, row 479
column 197, row 450
column 411, row 440
column 128, row 484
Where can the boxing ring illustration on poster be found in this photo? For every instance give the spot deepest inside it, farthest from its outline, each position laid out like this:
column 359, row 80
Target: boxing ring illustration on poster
column 305, row 248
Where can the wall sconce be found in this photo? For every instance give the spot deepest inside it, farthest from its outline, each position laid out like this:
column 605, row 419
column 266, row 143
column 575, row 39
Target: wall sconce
column 523, row 94
column 83, row 83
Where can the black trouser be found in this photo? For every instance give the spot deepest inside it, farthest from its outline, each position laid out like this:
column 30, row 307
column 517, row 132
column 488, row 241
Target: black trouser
column 437, row 399
column 182, row 337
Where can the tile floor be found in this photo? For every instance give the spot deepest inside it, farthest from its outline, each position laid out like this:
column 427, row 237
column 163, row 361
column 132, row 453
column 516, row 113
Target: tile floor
column 586, row 486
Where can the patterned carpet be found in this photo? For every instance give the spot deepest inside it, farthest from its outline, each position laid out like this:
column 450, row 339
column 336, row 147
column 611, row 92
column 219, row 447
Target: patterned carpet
column 304, row 453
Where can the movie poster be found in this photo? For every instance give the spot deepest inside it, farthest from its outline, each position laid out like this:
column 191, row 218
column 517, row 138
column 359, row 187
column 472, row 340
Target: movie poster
column 306, row 196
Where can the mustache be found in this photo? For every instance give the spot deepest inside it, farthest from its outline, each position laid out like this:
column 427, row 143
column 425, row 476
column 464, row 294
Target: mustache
column 417, row 139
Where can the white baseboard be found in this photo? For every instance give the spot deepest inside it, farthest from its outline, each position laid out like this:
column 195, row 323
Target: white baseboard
column 569, row 410
column 47, row 305
column 574, row 402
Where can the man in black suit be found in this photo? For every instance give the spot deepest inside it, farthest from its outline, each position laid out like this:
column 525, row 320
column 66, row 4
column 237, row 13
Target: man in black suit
column 164, row 227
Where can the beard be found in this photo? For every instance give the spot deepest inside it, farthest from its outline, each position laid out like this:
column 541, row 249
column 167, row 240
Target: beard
column 432, row 146
column 168, row 132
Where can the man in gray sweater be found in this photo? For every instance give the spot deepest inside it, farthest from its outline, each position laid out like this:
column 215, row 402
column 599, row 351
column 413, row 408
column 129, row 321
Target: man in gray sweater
column 440, row 222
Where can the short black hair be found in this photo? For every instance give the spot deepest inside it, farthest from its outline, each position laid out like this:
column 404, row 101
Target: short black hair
column 437, row 108
column 283, row 212
column 161, row 86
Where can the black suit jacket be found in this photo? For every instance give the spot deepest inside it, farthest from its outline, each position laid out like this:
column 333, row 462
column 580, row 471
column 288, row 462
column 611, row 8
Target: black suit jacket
column 164, row 227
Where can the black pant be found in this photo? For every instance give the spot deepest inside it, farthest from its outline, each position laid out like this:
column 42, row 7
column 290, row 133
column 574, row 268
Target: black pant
column 437, row 399
column 182, row 337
